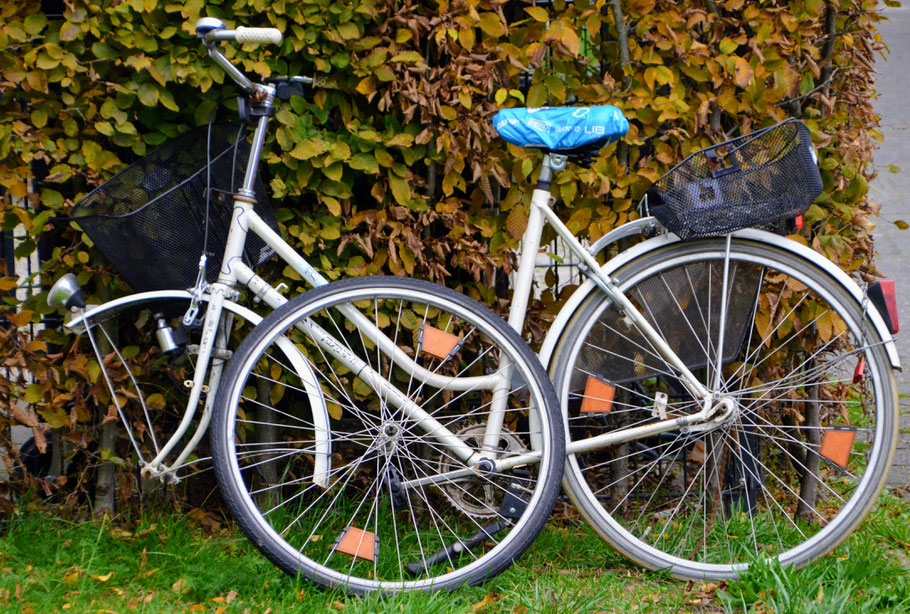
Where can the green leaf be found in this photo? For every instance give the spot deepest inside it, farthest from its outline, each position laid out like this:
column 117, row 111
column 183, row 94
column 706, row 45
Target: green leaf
column 348, row 30
column 167, row 100
column 33, row 24
column 39, row 118
column 383, row 73
column 51, row 198
column 103, row 51
column 401, row 189
column 148, row 94
column 33, row 393
column 537, row 96
column 727, row 46
column 364, row 162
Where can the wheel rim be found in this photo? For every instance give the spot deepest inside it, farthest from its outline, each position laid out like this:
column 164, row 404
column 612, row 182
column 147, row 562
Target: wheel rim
column 753, row 510
column 376, row 448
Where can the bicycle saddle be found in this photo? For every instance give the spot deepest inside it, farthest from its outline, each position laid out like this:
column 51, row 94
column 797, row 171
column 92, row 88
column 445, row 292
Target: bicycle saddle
column 561, row 129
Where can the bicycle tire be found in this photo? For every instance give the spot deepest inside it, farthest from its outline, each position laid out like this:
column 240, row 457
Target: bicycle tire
column 677, row 501
column 406, row 534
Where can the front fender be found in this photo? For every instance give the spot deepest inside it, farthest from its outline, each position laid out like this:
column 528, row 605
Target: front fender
column 323, row 447
column 750, row 234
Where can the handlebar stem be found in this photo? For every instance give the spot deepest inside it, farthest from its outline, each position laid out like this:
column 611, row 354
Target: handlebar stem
column 232, row 71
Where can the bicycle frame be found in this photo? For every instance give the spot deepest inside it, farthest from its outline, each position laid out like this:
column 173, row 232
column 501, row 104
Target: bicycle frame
column 220, row 295
column 234, row 271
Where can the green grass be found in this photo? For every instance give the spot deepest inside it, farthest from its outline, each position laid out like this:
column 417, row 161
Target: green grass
column 175, row 563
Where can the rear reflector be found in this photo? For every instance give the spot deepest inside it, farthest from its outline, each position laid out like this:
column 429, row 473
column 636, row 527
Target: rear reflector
column 883, row 296
column 798, row 222
column 598, row 396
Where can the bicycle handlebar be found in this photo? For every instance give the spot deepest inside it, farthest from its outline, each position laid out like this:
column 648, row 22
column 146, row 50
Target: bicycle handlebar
column 264, row 36
column 210, row 29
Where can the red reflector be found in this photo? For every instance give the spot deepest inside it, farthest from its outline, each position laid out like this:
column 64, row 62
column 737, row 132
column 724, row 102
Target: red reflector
column 859, row 370
column 884, row 297
column 799, row 222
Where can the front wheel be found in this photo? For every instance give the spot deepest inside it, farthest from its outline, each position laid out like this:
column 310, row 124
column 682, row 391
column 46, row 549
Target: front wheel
column 800, row 460
column 390, row 481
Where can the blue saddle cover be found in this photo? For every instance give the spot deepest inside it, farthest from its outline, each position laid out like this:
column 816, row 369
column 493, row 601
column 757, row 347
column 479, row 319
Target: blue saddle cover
column 561, row 128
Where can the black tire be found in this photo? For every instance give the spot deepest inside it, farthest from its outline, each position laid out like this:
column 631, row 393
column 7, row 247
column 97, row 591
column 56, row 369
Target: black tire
column 325, row 521
column 706, row 504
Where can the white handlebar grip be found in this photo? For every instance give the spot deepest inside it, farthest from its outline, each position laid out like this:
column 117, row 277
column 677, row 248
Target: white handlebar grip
column 258, row 35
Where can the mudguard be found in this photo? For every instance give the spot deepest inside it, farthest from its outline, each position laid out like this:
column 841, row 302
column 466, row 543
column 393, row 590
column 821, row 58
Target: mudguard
column 750, row 234
column 321, row 430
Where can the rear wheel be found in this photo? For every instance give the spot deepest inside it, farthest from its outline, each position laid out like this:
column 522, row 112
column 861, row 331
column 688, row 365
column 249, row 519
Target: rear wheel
column 808, row 446
column 374, row 483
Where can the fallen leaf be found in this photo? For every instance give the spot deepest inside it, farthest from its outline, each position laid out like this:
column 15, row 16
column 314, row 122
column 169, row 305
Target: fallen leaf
column 103, row 578
column 488, row 600
column 118, row 533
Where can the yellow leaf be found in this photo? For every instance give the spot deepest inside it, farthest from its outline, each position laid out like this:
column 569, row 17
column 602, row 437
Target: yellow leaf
column 743, row 72
column 466, row 38
column 491, row 24
column 103, row 578
column 501, row 95
column 538, row 13
column 334, row 410
column 367, row 85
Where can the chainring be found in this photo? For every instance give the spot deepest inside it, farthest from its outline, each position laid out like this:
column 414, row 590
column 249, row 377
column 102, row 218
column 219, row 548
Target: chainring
column 475, row 496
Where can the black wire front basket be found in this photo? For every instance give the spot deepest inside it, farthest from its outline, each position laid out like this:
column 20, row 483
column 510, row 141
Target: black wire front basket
column 149, row 220
column 754, row 180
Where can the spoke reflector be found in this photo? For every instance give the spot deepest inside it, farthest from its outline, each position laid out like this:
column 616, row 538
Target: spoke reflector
column 598, row 396
column 437, row 342
column 837, row 444
column 357, row 543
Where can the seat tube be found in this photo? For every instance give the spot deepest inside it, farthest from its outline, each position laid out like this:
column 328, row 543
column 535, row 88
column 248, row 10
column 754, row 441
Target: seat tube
column 521, row 294
column 530, row 246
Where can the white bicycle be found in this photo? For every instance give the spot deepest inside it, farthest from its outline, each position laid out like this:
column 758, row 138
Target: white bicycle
column 722, row 398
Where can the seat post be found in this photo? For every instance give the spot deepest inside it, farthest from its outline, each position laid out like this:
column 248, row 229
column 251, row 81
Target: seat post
column 551, row 164
column 530, row 242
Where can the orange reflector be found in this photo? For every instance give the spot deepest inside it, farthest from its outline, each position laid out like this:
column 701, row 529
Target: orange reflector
column 837, row 444
column 358, row 543
column 598, row 396
column 437, row 342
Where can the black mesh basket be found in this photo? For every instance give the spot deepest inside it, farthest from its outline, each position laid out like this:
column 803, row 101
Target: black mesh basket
column 754, row 180
column 149, row 219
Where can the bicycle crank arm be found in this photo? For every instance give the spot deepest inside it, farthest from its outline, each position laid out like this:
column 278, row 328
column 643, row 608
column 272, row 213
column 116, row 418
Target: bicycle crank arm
column 512, row 507
column 416, row 568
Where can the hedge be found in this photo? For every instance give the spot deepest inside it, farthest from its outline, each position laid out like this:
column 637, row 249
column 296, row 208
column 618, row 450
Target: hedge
column 390, row 164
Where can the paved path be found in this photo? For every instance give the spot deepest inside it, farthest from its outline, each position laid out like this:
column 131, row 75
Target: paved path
column 892, row 189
